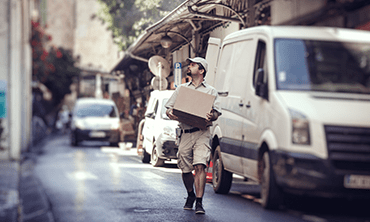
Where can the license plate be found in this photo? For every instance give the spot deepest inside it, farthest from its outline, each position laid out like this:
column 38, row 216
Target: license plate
column 357, row 181
column 97, row 134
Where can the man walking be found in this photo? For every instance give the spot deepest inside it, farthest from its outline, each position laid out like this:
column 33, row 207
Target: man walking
column 194, row 148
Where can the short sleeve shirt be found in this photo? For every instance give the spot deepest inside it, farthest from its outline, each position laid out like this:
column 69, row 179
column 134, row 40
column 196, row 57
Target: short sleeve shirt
column 203, row 87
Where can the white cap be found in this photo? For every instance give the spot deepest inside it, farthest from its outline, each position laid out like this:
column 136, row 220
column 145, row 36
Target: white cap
column 201, row 61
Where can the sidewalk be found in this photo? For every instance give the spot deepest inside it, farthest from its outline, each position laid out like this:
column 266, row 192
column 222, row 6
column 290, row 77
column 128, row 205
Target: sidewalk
column 22, row 199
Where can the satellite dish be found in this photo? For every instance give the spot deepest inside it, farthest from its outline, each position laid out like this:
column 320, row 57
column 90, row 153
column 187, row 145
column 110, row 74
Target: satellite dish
column 159, row 83
column 159, row 66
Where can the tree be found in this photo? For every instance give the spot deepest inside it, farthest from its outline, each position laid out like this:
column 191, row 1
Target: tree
column 127, row 19
column 54, row 67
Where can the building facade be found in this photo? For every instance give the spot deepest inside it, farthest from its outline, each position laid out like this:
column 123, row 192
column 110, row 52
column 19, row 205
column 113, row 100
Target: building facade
column 15, row 78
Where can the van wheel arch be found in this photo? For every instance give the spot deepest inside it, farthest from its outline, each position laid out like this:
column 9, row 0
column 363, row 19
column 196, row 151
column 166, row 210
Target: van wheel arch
column 214, row 144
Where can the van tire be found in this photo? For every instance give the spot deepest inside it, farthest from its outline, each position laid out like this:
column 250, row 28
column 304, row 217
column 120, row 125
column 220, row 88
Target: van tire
column 145, row 157
column 156, row 161
column 74, row 141
column 271, row 195
column 221, row 179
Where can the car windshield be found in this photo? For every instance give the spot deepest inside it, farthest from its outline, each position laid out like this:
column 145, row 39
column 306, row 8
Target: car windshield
column 96, row 110
column 163, row 110
column 322, row 66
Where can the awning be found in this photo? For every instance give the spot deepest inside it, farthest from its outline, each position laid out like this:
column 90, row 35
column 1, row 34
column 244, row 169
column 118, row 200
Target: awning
column 203, row 16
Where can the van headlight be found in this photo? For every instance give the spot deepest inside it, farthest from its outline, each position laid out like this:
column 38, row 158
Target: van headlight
column 114, row 126
column 80, row 124
column 300, row 128
column 169, row 131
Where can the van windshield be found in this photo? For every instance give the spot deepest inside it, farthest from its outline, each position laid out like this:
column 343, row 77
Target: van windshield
column 322, row 66
column 96, row 110
column 164, row 109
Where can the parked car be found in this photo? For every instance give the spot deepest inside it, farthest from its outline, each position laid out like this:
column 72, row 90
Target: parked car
column 95, row 119
column 295, row 103
column 158, row 132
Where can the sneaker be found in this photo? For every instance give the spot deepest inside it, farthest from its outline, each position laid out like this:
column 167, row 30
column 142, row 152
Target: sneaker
column 189, row 203
column 199, row 208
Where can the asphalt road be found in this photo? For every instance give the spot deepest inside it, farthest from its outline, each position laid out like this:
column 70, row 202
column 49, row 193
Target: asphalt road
column 95, row 182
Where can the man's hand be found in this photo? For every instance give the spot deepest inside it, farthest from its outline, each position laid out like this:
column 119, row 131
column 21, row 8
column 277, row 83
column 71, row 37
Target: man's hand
column 170, row 114
column 211, row 116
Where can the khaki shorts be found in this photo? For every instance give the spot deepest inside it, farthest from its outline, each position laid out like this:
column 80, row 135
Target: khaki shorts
column 194, row 149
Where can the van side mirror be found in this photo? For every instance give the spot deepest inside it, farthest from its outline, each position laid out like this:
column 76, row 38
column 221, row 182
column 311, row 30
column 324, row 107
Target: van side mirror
column 150, row 115
column 261, row 86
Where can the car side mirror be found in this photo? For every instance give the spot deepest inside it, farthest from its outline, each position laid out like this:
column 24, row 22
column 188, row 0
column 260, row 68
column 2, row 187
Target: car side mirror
column 150, row 115
column 261, row 85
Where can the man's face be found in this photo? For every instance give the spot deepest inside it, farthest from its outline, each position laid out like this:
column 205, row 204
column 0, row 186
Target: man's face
column 193, row 69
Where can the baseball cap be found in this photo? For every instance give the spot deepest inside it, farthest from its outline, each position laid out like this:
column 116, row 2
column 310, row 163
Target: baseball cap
column 201, row 61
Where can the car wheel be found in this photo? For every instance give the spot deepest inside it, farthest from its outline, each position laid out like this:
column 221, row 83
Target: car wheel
column 145, row 157
column 221, row 179
column 74, row 141
column 156, row 161
column 271, row 194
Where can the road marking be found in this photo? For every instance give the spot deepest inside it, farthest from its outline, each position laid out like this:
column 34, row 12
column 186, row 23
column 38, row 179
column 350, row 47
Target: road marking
column 81, row 175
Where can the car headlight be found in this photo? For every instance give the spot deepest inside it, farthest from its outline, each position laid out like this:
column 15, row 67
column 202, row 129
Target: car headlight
column 115, row 126
column 300, row 128
column 80, row 124
column 169, row 131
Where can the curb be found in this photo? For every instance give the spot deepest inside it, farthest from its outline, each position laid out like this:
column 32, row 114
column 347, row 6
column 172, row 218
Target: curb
column 34, row 203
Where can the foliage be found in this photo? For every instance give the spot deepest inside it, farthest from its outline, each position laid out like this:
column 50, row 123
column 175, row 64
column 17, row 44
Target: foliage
column 127, row 19
column 54, row 67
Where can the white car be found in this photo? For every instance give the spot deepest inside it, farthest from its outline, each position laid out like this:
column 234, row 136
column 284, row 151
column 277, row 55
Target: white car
column 159, row 132
column 95, row 119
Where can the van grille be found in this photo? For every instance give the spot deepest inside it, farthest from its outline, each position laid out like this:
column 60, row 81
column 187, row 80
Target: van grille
column 349, row 148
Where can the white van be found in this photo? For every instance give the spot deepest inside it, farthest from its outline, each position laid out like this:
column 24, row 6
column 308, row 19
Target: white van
column 296, row 111
column 158, row 131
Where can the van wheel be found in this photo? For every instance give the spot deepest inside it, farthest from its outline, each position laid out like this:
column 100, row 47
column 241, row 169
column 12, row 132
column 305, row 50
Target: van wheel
column 221, row 179
column 74, row 141
column 145, row 157
column 156, row 161
column 271, row 195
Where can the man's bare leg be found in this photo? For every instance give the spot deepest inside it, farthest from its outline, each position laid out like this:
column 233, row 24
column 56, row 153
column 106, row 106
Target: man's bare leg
column 199, row 180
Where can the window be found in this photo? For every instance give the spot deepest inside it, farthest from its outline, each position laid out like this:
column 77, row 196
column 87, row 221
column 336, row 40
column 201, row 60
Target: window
column 260, row 60
column 322, row 66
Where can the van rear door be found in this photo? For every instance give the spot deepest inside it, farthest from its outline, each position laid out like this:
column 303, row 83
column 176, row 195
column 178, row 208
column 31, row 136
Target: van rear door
column 213, row 50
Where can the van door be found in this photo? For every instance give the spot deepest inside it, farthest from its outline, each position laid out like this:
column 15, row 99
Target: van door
column 148, row 129
column 234, row 63
column 213, row 50
column 255, row 113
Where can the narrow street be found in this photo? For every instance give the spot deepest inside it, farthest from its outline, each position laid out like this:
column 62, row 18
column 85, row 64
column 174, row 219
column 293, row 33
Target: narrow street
column 95, row 182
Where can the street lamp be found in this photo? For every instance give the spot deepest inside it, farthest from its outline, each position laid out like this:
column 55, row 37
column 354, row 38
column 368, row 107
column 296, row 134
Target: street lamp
column 166, row 41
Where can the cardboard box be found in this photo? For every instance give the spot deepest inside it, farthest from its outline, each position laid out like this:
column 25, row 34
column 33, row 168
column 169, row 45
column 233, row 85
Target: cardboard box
column 191, row 107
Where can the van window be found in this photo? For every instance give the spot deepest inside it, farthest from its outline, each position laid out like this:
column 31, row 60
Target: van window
column 224, row 67
column 242, row 66
column 156, row 106
column 164, row 109
column 260, row 60
column 322, row 66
